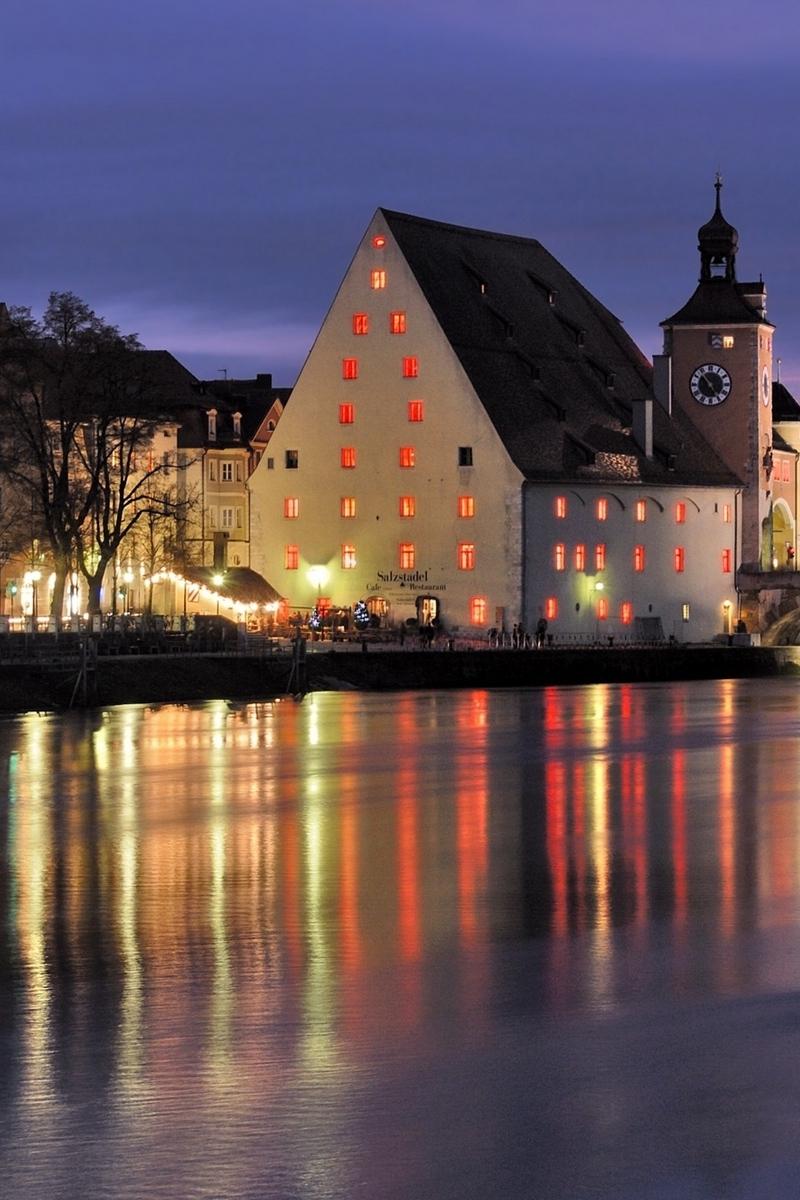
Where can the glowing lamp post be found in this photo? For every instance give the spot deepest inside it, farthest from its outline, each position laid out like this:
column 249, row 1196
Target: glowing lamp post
column 218, row 581
column 318, row 576
column 35, row 577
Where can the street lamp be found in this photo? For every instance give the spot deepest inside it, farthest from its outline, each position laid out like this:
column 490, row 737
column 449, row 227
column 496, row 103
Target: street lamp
column 35, row 577
column 318, row 577
column 218, row 581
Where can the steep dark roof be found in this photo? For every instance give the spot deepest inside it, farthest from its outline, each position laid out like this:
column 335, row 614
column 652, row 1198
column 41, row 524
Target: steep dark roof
column 554, row 369
column 784, row 405
column 717, row 302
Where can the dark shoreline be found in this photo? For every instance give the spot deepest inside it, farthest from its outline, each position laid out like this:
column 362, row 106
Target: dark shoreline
column 165, row 679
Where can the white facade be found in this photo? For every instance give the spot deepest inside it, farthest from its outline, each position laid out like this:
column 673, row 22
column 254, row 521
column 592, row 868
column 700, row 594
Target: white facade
column 600, row 559
column 454, row 427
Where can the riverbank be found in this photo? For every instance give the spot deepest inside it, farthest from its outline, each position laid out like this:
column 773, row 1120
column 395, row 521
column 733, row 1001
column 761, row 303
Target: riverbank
column 159, row 679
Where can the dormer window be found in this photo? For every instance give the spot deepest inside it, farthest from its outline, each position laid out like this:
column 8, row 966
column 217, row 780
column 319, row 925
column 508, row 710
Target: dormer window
column 212, row 424
column 237, row 425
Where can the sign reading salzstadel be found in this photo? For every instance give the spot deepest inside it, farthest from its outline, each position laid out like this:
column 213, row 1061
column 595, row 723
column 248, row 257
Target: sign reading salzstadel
column 394, row 580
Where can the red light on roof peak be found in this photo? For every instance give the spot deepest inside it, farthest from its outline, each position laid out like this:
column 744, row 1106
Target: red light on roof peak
column 379, row 241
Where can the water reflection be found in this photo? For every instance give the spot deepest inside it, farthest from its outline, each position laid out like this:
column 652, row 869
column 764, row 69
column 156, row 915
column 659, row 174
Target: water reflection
column 223, row 906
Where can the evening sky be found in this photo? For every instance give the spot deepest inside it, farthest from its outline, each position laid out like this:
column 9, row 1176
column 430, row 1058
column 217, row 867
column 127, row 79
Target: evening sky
column 201, row 173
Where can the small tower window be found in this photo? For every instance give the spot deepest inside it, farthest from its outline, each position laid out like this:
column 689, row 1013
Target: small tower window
column 347, row 414
column 410, row 367
column 626, row 612
column 347, row 456
column 377, row 280
column 360, row 323
column 348, row 557
column 560, row 556
column 560, row 507
column 397, row 322
column 415, row 410
column 408, row 506
column 466, row 506
column 638, row 558
column 408, row 456
column 601, row 509
column 349, row 368
column 551, row 608
column 580, row 557
column 347, row 506
column 465, row 456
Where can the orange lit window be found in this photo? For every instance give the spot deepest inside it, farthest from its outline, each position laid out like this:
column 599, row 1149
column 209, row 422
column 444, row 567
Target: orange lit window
column 349, row 368
column 466, row 506
column 601, row 509
column 408, row 556
column 397, row 322
column 478, row 610
column 348, row 456
column 638, row 558
column 379, row 241
column 785, row 473
column 601, row 608
column 407, row 456
column 410, row 367
column 348, row 557
column 679, row 558
column 466, row 556
column 291, row 506
column 560, row 507
column 641, row 510
column 680, row 513
column 560, row 556
column 626, row 612
column 377, row 280
column 347, row 414
column 580, row 557
column 726, row 513
column 416, row 410
column 551, row 608
column 408, row 506
column 727, row 558
column 291, row 557
column 360, row 323
column 600, row 556
column 347, row 506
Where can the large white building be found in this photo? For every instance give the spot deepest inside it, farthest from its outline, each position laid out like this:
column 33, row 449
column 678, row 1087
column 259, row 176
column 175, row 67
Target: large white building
column 475, row 437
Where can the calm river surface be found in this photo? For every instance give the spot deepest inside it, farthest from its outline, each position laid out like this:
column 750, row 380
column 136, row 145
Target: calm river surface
column 443, row 946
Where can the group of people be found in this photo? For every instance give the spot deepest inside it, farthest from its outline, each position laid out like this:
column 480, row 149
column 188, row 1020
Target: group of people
column 519, row 638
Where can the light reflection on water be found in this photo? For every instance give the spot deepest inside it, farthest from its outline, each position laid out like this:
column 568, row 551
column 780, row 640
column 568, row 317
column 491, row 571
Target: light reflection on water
column 422, row 944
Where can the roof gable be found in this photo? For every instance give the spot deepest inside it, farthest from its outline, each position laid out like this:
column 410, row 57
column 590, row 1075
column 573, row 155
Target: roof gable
column 550, row 364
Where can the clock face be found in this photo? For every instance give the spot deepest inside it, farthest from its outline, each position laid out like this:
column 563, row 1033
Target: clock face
column 710, row 384
column 765, row 386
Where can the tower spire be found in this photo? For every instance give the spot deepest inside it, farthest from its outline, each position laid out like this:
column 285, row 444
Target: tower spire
column 717, row 242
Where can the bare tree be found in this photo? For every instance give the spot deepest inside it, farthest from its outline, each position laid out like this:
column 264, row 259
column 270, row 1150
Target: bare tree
column 79, row 413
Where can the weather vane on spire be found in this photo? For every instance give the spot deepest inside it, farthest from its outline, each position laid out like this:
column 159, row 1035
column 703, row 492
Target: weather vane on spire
column 718, row 185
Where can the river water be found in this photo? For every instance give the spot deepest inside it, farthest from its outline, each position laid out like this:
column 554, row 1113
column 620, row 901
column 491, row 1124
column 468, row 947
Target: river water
column 448, row 946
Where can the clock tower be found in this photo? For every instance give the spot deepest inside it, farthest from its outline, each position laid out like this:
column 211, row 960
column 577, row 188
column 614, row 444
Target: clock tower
column 717, row 368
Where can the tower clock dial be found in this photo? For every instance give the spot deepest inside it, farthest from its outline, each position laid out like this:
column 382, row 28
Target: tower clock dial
column 710, row 384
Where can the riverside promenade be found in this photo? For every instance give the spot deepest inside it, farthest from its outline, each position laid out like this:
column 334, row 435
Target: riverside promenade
column 38, row 677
